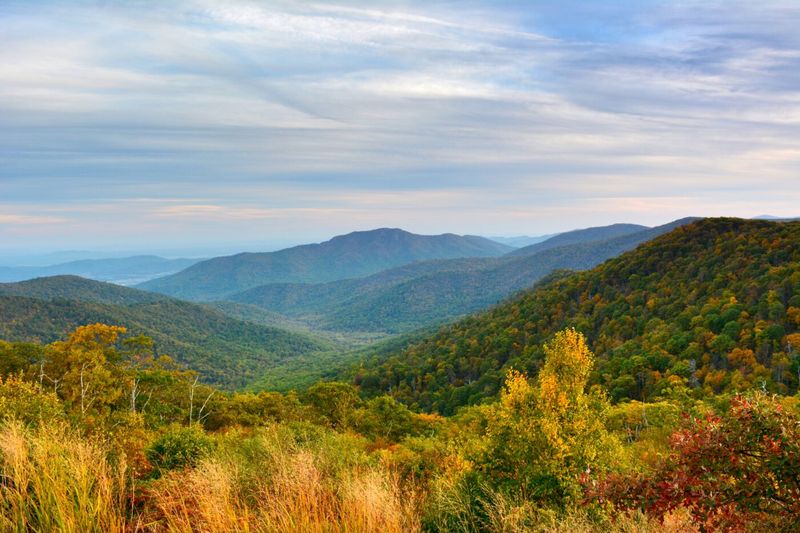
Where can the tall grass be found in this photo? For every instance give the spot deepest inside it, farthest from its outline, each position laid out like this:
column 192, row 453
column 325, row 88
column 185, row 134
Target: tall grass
column 284, row 480
column 53, row 480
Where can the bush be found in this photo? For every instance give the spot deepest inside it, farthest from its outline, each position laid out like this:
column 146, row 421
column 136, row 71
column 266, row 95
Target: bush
column 728, row 470
column 179, row 448
column 27, row 402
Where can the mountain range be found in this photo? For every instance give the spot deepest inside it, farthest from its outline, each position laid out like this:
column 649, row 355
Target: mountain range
column 429, row 292
column 279, row 334
column 353, row 255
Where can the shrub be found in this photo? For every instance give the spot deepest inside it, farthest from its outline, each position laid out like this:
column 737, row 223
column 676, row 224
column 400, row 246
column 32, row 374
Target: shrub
column 178, row 448
column 27, row 402
column 727, row 470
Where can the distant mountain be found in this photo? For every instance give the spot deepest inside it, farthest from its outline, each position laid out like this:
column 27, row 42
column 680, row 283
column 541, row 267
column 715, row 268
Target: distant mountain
column 124, row 270
column 713, row 306
column 522, row 240
column 774, row 218
column 601, row 233
column 353, row 255
column 425, row 293
column 77, row 288
column 224, row 350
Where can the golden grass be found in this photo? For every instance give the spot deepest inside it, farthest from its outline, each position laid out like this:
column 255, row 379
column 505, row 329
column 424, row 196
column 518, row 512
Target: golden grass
column 288, row 490
column 54, row 480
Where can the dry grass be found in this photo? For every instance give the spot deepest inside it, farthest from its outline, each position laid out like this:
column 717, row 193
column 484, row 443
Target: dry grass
column 53, row 480
column 288, row 489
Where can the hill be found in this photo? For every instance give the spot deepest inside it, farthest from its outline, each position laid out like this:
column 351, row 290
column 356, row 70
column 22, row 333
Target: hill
column 713, row 306
column 418, row 295
column 80, row 289
column 224, row 350
column 123, row 270
column 601, row 233
column 353, row 255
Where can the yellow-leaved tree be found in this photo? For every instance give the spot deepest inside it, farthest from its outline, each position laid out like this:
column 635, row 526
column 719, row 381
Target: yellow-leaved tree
column 80, row 372
column 543, row 437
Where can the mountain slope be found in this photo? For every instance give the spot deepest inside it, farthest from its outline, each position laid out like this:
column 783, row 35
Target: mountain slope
column 709, row 306
column 418, row 295
column 124, row 270
column 224, row 350
column 347, row 256
column 579, row 236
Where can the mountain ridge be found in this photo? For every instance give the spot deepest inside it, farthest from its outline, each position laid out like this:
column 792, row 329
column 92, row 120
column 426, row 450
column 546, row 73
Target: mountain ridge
column 355, row 254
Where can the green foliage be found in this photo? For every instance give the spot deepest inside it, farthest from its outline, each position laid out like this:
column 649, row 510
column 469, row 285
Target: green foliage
column 333, row 403
column 385, row 418
column 177, row 448
column 18, row 356
column 711, row 306
column 25, row 402
column 251, row 410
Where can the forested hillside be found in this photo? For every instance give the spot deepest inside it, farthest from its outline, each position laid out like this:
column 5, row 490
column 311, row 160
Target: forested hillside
column 713, row 306
column 347, row 256
column 80, row 289
column 224, row 350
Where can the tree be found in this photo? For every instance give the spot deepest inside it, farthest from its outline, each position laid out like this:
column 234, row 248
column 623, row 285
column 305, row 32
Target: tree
column 27, row 402
column 18, row 357
column 384, row 417
column 333, row 402
column 81, row 372
column 544, row 437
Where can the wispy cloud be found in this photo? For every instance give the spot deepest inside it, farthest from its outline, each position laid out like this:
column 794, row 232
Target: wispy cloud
column 309, row 118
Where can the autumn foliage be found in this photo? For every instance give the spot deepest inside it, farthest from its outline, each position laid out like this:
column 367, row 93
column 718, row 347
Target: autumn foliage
column 728, row 470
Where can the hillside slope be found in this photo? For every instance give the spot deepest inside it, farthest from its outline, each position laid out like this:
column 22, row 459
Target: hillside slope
column 711, row 306
column 421, row 294
column 601, row 233
column 224, row 350
column 353, row 255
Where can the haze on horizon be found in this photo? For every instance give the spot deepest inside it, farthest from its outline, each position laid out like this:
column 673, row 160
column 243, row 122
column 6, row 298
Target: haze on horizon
column 174, row 125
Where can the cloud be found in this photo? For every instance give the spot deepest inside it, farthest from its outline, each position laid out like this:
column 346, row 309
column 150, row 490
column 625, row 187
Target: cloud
column 338, row 113
column 26, row 220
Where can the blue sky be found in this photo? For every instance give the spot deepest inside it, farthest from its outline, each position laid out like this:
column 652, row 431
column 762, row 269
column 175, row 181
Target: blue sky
column 185, row 123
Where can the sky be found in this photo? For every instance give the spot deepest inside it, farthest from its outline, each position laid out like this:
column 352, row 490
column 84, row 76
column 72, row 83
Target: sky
column 254, row 124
